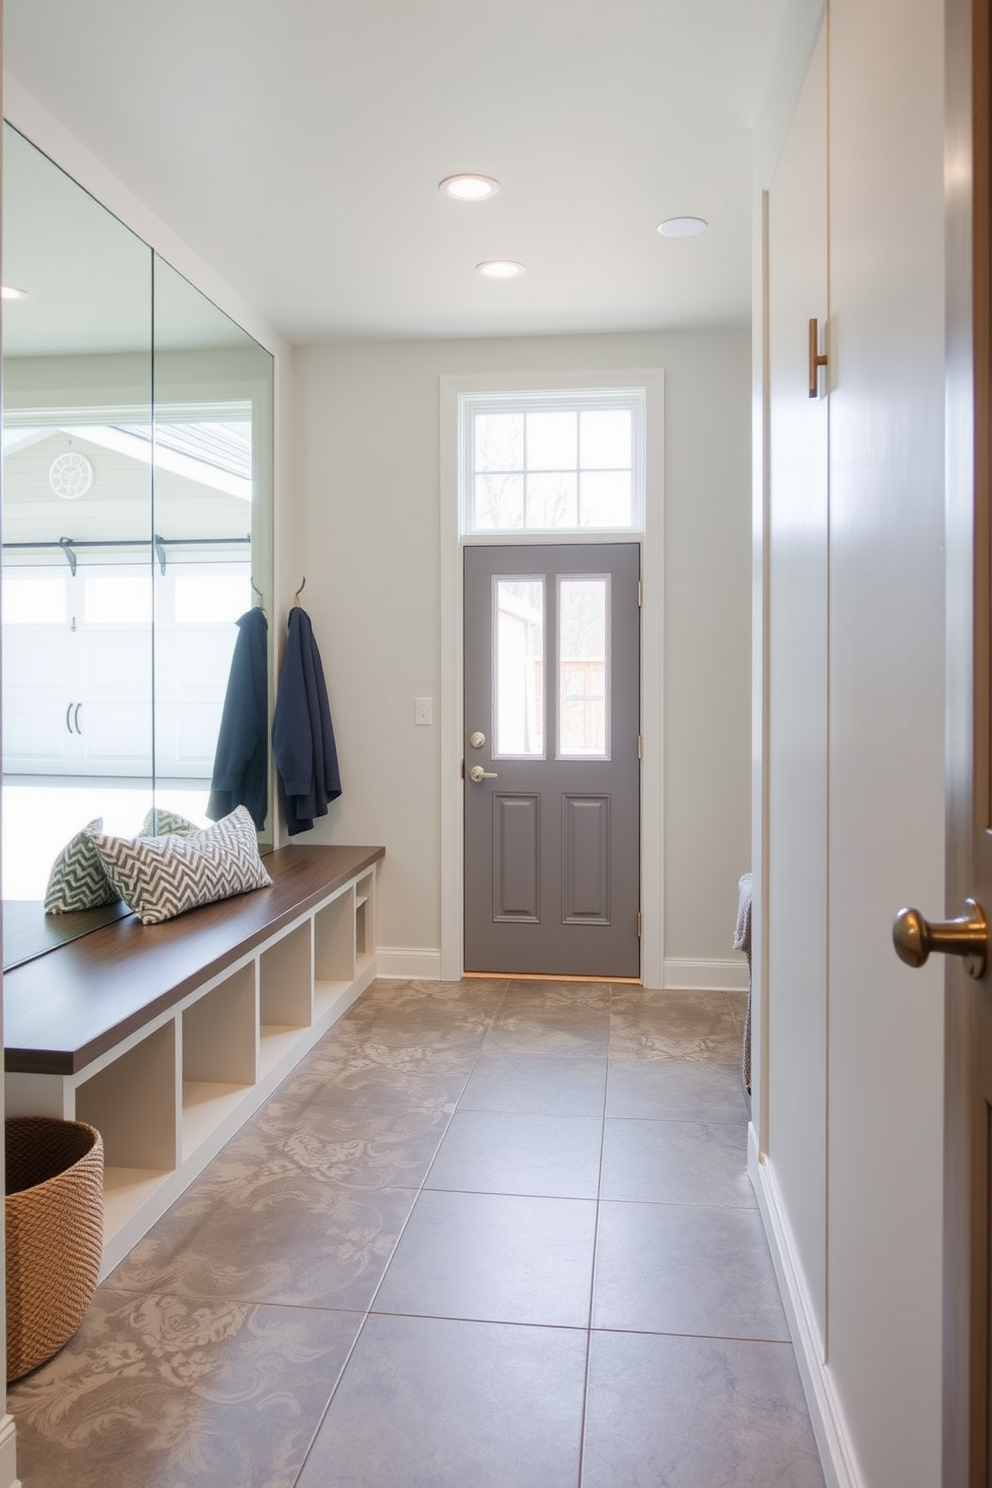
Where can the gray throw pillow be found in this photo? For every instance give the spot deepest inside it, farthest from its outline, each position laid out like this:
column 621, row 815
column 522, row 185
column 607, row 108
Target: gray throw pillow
column 78, row 879
column 159, row 877
column 159, row 822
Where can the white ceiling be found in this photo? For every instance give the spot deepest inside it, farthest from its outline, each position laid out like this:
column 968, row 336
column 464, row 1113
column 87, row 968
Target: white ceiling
column 297, row 147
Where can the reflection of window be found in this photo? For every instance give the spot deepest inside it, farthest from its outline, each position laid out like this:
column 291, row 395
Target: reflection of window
column 205, row 599
column 519, row 667
column 117, row 599
column 34, row 601
column 583, row 681
column 545, row 462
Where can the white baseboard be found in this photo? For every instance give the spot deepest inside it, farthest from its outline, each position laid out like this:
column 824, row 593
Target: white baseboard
column 706, row 976
column 413, row 963
column 826, row 1416
column 409, row 962
column 8, row 1464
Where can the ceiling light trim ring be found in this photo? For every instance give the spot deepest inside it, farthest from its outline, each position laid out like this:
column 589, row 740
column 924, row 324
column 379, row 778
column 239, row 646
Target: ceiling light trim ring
column 500, row 268
column 475, row 187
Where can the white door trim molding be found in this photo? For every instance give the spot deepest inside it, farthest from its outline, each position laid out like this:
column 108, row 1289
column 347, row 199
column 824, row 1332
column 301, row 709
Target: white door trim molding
column 652, row 652
column 830, row 1428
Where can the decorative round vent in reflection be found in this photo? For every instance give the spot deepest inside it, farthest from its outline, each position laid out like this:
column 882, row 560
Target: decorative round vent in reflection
column 70, row 475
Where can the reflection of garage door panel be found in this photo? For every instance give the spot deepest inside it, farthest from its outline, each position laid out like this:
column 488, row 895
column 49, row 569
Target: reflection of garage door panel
column 37, row 671
column 118, row 665
column 203, row 662
column 186, row 739
column 34, row 735
column 118, row 734
column 35, row 661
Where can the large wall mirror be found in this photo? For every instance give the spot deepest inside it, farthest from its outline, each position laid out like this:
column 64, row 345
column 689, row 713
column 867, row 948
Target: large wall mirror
column 137, row 505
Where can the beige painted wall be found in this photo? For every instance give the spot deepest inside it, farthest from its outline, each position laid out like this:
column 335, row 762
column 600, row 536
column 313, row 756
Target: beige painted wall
column 365, row 531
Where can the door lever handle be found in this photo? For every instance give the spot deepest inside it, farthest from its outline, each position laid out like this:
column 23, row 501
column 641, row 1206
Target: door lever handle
column 914, row 937
column 477, row 773
column 817, row 358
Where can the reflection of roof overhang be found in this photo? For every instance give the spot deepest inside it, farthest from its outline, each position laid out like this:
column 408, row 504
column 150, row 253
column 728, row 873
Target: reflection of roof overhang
column 213, row 453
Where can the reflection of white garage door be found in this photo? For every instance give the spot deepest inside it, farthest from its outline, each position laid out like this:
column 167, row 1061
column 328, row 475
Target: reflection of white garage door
column 196, row 606
column 78, row 663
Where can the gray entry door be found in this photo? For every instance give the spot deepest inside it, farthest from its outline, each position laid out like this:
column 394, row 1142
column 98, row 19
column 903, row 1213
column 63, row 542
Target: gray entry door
column 552, row 779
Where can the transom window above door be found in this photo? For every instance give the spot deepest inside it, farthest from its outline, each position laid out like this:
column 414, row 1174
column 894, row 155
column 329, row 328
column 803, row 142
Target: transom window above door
column 556, row 461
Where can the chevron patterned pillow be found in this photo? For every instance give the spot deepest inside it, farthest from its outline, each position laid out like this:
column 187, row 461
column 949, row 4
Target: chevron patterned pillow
column 77, row 879
column 159, row 877
column 158, row 822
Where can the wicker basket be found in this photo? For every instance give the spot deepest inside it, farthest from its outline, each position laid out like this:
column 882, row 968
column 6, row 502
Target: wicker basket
column 54, row 1234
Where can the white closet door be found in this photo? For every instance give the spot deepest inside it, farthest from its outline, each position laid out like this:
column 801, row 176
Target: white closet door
column 798, row 683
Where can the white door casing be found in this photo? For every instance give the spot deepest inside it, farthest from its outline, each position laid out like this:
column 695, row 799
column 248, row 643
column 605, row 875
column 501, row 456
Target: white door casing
column 652, row 656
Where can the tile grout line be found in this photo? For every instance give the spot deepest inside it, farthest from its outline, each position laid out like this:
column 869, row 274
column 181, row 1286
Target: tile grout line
column 372, row 1300
column 595, row 1249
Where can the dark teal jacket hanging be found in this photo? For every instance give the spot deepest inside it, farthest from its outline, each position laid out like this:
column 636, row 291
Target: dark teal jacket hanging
column 302, row 734
column 241, row 763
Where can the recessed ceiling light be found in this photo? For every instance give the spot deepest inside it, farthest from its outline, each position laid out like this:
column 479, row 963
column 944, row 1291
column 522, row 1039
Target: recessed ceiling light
column 501, row 268
column 681, row 227
column 8, row 292
column 469, row 188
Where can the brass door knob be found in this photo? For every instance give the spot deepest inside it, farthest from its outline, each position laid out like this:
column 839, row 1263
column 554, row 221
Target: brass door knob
column 914, row 937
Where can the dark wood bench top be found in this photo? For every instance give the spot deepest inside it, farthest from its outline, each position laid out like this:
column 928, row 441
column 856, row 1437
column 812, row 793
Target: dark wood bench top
column 64, row 1009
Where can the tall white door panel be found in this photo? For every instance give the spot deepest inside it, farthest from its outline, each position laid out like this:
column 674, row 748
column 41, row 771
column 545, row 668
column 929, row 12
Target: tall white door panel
column 798, row 680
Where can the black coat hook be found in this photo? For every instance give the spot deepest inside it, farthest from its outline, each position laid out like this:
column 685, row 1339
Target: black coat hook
column 300, row 590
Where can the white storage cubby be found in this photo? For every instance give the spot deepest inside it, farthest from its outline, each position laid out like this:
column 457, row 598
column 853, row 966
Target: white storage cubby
column 132, row 1103
column 219, row 1055
column 168, row 1095
column 285, row 994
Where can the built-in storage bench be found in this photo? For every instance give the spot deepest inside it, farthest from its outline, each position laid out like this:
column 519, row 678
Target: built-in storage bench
column 166, row 1037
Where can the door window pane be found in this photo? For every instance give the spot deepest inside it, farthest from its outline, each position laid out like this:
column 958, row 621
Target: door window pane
column 551, row 500
column 605, row 498
column 499, row 441
column 499, row 502
column 605, row 439
column 518, row 671
column 583, row 680
column 551, row 441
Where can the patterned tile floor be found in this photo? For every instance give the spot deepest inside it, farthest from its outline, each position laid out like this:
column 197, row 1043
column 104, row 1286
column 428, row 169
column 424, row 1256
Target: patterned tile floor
column 487, row 1233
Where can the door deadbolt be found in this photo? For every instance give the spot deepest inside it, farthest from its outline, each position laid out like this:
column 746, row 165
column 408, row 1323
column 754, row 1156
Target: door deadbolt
column 477, row 740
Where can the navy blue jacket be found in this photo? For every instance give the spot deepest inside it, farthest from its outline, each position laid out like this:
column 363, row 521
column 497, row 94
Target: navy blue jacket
column 302, row 735
column 241, row 762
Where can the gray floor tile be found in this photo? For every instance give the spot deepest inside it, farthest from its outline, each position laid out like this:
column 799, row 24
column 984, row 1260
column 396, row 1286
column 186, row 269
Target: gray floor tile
column 549, row 1023
column 159, row 1390
column 510, row 1153
column 695, row 1413
column 546, row 1086
column 434, row 1404
column 557, row 994
column 674, row 1025
column 676, row 1162
column 494, row 1258
column 671, row 1268
column 675, row 1090
column 289, row 1240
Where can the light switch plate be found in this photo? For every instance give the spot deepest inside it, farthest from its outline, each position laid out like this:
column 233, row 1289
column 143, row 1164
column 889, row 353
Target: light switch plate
column 423, row 711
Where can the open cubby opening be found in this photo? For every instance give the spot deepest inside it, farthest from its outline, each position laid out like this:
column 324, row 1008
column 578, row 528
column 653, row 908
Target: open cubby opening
column 132, row 1104
column 219, row 1055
